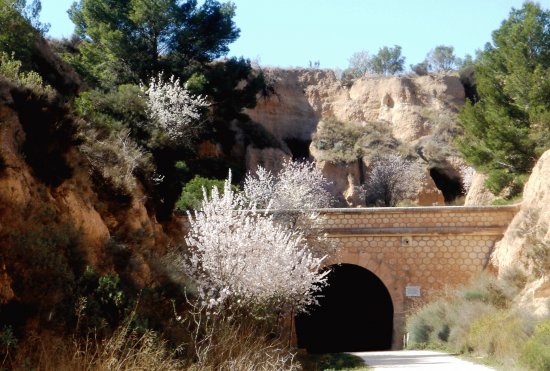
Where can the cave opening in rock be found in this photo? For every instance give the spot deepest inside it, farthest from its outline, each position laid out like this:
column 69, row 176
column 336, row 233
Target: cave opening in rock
column 355, row 313
column 451, row 187
column 299, row 148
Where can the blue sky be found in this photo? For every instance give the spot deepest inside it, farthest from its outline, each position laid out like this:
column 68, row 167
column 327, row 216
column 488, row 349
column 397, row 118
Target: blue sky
column 293, row 32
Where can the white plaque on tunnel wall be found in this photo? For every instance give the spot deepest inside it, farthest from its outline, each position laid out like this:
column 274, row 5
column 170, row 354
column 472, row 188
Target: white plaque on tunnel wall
column 412, row 291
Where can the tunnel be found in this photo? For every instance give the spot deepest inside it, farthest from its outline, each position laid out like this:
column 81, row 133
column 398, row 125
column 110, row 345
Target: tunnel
column 355, row 313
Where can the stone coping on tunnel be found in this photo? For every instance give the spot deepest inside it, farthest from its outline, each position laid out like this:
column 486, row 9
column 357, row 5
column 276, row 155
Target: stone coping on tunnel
column 446, row 219
column 413, row 231
column 421, row 209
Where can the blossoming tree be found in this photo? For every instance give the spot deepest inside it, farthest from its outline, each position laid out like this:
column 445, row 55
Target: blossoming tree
column 175, row 111
column 392, row 179
column 298, row 186
column 241, row 257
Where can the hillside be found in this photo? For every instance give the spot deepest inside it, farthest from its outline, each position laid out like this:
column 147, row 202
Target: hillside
column 417, row 113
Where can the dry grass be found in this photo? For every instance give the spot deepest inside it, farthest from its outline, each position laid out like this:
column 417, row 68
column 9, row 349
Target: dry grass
column 125, row 350
column 236, row 342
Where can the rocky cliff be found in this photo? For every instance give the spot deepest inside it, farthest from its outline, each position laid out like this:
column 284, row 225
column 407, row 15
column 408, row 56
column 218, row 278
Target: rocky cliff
column 53, row 216
column 526, row 243
column 409, row 105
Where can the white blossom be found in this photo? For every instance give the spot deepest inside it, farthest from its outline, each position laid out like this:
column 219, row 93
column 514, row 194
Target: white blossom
column 393, row 179
column 298, row 186
column 175, row 111
column 467, row 176
column 294, row 193
column 241, row 257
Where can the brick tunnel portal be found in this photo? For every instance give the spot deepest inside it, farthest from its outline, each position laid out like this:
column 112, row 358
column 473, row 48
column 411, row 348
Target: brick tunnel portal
column 355, row 313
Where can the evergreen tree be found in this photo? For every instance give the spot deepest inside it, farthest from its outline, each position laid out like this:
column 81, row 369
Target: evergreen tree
column 125, row 41
column 509, row 127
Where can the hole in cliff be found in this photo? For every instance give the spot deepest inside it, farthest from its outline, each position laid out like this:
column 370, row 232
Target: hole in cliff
column 451, row 187
column 388, row 101
column 355, row 313
column 298, row 147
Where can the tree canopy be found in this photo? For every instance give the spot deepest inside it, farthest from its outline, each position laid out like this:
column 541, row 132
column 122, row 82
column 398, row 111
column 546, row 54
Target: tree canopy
column 125, row 41
column 509, row 127
column 388, row 61
column 442, row 58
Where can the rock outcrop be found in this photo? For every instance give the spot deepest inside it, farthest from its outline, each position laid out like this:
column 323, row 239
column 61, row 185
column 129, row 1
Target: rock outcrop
column 529, row 230
column 303, row 97
column 478, row 194
column 73, row 201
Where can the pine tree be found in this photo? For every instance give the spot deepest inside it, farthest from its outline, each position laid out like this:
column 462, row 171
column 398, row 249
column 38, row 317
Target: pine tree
column 509, row 128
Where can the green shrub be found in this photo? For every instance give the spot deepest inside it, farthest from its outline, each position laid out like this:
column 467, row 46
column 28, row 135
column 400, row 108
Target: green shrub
column 10, row 68
column 17, row 35
column 447, row 323
column 487, row 289
column 192, row 193
column 499, row 334
column 114, row 110
column 429, row 326
column 102, row 303
column 535, row 355
column 347, row 142
column 115, row 136
column 43, row 257
column 337, row 140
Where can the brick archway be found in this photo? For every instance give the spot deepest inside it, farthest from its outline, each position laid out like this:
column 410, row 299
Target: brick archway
column 355, row 313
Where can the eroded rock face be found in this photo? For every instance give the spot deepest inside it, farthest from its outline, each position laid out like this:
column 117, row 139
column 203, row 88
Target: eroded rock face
column 304, row 97
column 478, row 194
column 533, row 217
column 268, row 158
column 74, row 202
column 530, row 226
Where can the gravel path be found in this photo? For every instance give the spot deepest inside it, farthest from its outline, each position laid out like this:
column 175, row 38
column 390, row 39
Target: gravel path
column 417, row 360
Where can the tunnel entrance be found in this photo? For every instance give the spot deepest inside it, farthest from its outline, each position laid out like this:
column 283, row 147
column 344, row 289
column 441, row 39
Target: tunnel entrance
column 354, row 314
column 450, row 187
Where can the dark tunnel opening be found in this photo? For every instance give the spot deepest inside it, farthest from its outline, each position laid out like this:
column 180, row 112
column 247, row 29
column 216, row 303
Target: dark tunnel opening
column 450, row 187
column 355, row 313
column 299, row 148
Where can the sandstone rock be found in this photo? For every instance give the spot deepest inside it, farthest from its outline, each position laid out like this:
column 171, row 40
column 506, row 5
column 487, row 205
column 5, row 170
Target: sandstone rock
column 535, row 298
column 302, row 97
column 85, row 218
column 478, row 194
column 6, row 292
column 209, row 149
column 345, row 179
column 533, row 217
column 288, row 113
column 269, row 158
column 429, row 194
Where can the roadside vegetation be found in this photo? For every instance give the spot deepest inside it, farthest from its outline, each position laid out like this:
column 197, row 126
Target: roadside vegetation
column 481, row 320
column 128, row 101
